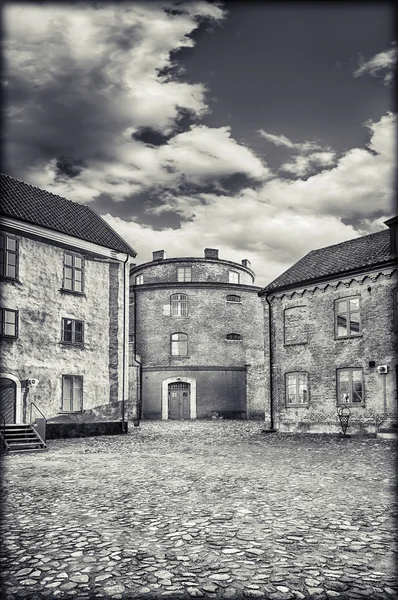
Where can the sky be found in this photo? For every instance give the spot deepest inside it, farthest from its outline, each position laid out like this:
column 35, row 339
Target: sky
column 263, row 129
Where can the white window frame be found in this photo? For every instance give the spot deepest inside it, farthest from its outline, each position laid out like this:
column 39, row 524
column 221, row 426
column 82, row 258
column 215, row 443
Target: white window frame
column 234, row 277
column 74, row 269
column 76, row 391
column 184, row 274
column 4, row 315
column 179, row 344
column 179, row 305
column 344, row 398
column 347, row 314
column 139, row 280
column 300, row 399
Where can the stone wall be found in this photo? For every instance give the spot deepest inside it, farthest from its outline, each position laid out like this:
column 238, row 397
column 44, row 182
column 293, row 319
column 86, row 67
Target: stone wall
column 311, row 346
column 39, row 353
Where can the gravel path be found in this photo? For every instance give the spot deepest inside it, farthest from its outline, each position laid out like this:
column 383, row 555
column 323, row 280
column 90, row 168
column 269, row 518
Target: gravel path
column 202, row 509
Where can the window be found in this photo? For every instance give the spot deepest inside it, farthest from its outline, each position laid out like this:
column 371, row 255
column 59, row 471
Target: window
column 179, row 305
column 8, row 257
column 233, row 336
column 350, row 386
column 72, row 393
column 233, row 277
column 179, row 344
column 72, row 331
column 348, row 323
column 184, row 274
column 9, row 323
column 233, row 298
column 139, row 280
column 73, row 273
column 296, row 388
column 396, row 309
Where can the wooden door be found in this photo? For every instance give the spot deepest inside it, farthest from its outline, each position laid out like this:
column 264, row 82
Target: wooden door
column 179, row 400
column 8, row 398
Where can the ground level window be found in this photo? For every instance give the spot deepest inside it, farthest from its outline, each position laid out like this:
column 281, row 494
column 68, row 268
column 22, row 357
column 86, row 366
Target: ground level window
column 233, row 336
column 233, row 298
column 296, row 388
column 72, row 393
column 350, row 386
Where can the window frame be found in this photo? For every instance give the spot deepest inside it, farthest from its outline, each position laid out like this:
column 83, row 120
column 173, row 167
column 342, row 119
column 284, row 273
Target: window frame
column 184, row 270
column 231, row 274
column 347, row 314
column 178, row 341
column 3, row 315
column 229, row 296
column 297, row 389
column 139, row 279
column 74, row 269
column 238, row 337
column 395, row 308
column 350, row 370
column 5, row 252
column 179, row 303
column 71, row 400
column 73, row 342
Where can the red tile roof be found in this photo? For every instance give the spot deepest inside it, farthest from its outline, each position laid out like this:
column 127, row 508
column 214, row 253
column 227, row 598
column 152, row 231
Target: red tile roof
column 350, row 256
column 25, row 202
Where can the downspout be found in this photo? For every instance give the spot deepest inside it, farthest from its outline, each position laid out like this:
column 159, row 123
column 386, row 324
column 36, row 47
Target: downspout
column 270, row 363
column 124, row 344
column 139, row 395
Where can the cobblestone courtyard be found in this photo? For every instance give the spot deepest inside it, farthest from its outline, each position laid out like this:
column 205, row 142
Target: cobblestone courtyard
column 201, row 509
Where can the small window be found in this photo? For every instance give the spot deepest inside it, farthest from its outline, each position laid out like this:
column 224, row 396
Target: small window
column 233, row 298
column 139, row 280
column 350, row 386
column 72, row 393
column 347, row 315
column 179, row 305
column 233, row 336
column 296, row 388
column 395, row 309
column 184, row 274
column 8, row 257
column 72, row 331
column 179, row 344
column 233, row 277
column 73, row 273
column 9, row 323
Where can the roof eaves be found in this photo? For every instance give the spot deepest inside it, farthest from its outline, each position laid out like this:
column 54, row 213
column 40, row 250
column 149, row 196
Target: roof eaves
column 132, row 251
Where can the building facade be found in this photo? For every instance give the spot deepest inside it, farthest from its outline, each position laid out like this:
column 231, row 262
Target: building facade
column 333, row 337
column 64, row 308
column 197, row 345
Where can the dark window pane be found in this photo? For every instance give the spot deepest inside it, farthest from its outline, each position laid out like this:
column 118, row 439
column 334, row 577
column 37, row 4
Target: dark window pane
column 354, row 324
column 341, row 325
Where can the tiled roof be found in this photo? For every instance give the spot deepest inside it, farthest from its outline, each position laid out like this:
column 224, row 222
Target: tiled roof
column 367, row 251
column 20, row 200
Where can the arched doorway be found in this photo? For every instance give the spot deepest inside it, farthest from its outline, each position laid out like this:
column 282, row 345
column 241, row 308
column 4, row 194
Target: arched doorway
column 173, row 392
column 8, row 400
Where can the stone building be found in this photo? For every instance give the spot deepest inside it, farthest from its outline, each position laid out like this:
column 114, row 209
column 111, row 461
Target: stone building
column 198, row 348
column 64, row 309
column 333, row 318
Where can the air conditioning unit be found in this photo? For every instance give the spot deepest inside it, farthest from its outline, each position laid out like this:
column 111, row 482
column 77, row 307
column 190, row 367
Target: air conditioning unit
column 33, row 382
column 382, row 369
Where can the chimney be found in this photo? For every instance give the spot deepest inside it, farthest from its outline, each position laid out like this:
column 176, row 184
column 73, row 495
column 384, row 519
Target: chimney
column 211, row 253
column 393, row 226
column 158, row 255
column 246, row 263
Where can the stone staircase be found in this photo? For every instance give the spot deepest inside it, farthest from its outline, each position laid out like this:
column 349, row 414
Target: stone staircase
column 19, row 437
column 388, row 433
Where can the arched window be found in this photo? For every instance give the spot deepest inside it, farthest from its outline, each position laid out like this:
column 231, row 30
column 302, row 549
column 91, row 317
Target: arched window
column 139, row 280
column 234, row 336
column 233, row 277
column 179, row 344
column 233, row 298
column 179, row 305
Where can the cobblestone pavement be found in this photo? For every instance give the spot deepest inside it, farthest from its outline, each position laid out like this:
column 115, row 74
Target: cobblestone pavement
column 211, row 509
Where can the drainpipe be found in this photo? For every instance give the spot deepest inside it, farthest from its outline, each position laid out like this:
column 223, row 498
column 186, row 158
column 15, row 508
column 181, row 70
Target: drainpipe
column 270, row 362
column 139, row 394
column 124, row 343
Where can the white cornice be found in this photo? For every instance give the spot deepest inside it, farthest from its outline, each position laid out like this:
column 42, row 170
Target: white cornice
column 62, row 238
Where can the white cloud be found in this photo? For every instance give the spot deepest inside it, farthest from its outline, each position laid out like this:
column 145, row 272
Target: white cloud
column 382, row 65
column 282, row 140
column 302, row 164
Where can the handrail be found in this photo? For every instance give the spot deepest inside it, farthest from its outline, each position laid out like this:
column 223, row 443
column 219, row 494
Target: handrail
column 35, row 405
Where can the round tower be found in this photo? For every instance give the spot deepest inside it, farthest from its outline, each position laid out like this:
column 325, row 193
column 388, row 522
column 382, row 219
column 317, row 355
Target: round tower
column 198, row 337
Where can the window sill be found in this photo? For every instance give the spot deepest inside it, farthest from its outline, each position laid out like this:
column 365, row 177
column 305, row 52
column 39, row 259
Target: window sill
column 72, row 345
column 8, row 338
column 233, row 341
column 348, row 337
column 351, row 404
column 232, row 302
column 300, row 405
column 296, row 344
column 179, row 356
column 65, row 291
column 70, row 412
column 179, row 316
column 10, row 279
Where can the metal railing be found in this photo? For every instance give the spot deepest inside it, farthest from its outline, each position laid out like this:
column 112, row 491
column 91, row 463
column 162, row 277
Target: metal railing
column 4, row 431
column 37, row 408
column 41, row 424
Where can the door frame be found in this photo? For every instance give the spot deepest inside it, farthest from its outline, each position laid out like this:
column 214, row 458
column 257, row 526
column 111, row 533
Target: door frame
column 165, row 395
column 18, row 395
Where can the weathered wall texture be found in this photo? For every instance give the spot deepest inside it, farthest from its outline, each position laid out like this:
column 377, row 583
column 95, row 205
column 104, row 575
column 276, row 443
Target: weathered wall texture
column 38, row 351
column 305, row 341
column 210, row 318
